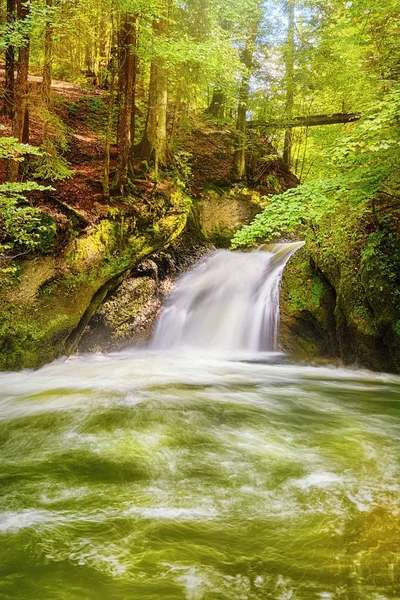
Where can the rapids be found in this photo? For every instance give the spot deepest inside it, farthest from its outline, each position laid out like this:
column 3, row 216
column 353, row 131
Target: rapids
column 167, row 475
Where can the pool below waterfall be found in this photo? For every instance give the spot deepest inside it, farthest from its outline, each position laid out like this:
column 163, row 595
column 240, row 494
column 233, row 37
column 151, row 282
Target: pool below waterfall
column 153, row 475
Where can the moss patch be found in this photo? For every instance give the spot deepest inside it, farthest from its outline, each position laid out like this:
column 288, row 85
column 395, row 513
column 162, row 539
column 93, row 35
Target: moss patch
column 43, row 313
column 341, row 293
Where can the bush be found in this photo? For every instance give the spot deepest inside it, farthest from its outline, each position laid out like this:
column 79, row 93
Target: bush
column 23, row 228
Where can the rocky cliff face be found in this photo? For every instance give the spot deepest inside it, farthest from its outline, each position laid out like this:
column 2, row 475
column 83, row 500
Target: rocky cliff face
column 46, row 302
column 341, row 296
column 128, row 313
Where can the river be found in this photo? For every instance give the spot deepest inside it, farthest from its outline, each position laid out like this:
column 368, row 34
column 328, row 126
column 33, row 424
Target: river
column 207, row 470
column 155, row 476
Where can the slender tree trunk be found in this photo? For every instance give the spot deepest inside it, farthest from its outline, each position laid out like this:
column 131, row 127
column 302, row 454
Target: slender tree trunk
column 111, row 102
column 133, row 111
column 103, row 49
column 288, row 143
column 21, row 116
column 157, row 124
column 176, row 114
column 127, row 44
column 48, row 53
column 239, row 159
column 89, row 56
column 9, row 88
column 154, row 144
column 103, row 37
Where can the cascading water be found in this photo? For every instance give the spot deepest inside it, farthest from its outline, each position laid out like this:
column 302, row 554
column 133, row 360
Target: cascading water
column 229, row 302
column 200, row 476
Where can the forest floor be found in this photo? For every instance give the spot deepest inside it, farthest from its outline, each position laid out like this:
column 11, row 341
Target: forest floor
column 203, row 155
column 83, row 192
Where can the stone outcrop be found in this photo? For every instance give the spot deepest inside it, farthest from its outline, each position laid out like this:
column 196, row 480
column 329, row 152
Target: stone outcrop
column 345, row 303
column 46, row 302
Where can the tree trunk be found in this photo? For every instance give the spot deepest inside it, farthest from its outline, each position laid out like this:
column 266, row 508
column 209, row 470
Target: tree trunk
column 154, row 144
column 103, row 50
column 217, row 106
column 310, row 121
column 287, row 146
column 48, row 52
column 239, row 159
column 9, row 88
column 127, row 44
column 111, row 100
column 157, row 123
column 133, row 113
column 21, row 117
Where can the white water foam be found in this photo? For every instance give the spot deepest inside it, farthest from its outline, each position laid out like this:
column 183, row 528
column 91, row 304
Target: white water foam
column 228, row 303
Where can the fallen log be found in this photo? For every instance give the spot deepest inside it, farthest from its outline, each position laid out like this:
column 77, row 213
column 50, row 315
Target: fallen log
column 309, row 121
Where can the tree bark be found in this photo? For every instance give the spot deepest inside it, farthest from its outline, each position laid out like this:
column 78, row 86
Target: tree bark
column 9, row 88
column 133, row 112
column 239, row 158
column 110, row 112
column 48, row 53
column 217, row 106
column 154, row 145
column 20, row 127
column 309, row 121
column 287, row 146
column 127, row 44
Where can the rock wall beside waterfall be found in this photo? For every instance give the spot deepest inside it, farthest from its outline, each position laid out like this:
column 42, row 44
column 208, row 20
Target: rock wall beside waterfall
column 341, row 296
column 221, row 213
column 46, row 302
column 128, row 314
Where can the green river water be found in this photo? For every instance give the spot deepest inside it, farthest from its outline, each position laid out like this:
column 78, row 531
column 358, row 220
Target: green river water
column 145, row 475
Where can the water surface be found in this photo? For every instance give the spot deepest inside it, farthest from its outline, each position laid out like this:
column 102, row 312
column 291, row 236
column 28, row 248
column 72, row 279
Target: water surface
column 147, row 476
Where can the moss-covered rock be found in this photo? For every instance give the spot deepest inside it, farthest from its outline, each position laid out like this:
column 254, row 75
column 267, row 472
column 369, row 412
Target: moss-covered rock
column 308, row 304
column 221, row 213
column 123, row 318
column 46, row 302
column 341, row 294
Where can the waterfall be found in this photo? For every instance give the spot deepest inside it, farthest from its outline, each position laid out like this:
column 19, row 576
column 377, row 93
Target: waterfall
column 228, row 303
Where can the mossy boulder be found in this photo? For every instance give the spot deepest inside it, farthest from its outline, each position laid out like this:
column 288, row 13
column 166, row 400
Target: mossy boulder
column 125, row 318
column 222, row 212
column 45, row 303
column 307, row 309
column 341, row 296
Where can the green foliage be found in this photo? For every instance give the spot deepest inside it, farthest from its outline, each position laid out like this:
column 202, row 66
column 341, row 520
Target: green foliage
column 11, row 148
column 52, row 165
column 381, row 257
column 396, row 328
column 95, row 110
column 23, row 228
column 15, row 33
column 286, row 212
column 365, row 161
column 182, row 169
